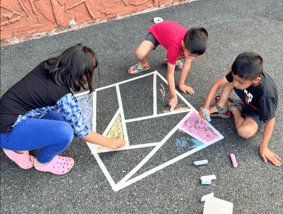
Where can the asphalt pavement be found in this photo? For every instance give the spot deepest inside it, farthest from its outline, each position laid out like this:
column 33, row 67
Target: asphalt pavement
column 252, row 187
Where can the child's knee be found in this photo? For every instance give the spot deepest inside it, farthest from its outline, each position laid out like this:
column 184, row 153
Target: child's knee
column 140, row 54
column 68, row 133
column 246, row 132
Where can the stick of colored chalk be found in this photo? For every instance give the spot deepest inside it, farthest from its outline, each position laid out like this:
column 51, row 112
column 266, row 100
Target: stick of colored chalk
column 208, row 177
column 205, row 181
column 206, row 113
column 203, row 198
column 233, row 158
column 202, row 162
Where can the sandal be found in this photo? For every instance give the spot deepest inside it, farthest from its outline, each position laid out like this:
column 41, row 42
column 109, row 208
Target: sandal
column 234, row 103
column 138, row 69
column 59, row 165
column 25, row 161
column 178, row 65
column 223, row 113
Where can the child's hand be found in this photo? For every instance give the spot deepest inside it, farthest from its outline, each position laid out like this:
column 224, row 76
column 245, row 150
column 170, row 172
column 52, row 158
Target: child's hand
column 265, row 153
column 117, row 142
column 173, row 103
column 185, row 88
column 202, row 115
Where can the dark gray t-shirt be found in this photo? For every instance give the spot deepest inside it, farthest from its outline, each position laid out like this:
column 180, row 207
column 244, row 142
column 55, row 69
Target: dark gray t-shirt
column 36, row 90
column 262, row 99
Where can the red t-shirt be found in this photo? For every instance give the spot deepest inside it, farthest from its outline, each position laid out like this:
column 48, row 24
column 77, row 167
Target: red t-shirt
column 170, row 35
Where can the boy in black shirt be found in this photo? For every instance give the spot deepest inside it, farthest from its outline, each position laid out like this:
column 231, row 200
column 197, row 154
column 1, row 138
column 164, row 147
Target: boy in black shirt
column 258, row 92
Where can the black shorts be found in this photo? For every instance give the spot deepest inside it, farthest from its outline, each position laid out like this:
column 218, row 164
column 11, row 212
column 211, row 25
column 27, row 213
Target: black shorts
column 250, row 114
column 151, row 38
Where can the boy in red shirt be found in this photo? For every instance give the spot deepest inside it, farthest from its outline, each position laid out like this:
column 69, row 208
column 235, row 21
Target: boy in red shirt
column 180, row 43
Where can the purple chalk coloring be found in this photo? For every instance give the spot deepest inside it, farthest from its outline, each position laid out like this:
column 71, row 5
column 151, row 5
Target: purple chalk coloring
column 233, row 158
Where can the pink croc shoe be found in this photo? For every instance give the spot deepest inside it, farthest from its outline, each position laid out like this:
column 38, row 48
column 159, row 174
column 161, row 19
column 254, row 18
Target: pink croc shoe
column 25, row 161
column 59, row 165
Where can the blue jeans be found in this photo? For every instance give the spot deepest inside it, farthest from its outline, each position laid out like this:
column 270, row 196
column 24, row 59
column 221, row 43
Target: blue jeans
column 50, row 133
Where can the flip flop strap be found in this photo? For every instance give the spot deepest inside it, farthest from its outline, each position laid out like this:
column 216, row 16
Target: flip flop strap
column 137, row 67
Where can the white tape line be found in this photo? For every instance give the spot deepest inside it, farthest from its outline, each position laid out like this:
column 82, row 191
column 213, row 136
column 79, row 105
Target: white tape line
column 90, row 146
column 80, row 94
column 213, row 141
column 150, row 154
column 121, row 186
column 122, row 82
column 103, row 168
column 158, row 115
column 177, row 92
column 128, row 147
column 154, row 95
column 115, row 84
column 129, row 182
column 111, row 123
column 122, row 116
column 94, row 111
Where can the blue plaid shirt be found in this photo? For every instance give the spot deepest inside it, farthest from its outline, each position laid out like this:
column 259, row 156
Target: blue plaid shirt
column 70, row 111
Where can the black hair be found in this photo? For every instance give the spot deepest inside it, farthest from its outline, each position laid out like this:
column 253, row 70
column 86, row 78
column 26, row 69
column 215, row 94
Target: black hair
column 196, row 40
column 248, row 65
column 69, row 68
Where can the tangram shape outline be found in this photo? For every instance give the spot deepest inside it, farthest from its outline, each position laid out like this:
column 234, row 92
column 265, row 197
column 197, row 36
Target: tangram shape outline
column 126, row 181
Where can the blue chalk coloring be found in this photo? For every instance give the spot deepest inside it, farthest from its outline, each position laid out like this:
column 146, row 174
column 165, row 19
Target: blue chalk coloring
column 206, row 113
column 197, row 143
column 184, row 142
column 178, row 144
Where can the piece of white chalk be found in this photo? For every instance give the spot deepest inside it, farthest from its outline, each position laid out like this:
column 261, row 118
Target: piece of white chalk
column 203, row 198
column 234, row 162
column 208, row 177
column 157, row 20
column 202, row 162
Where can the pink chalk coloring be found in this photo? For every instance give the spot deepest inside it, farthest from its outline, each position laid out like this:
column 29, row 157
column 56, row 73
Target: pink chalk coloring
column 233, row 160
